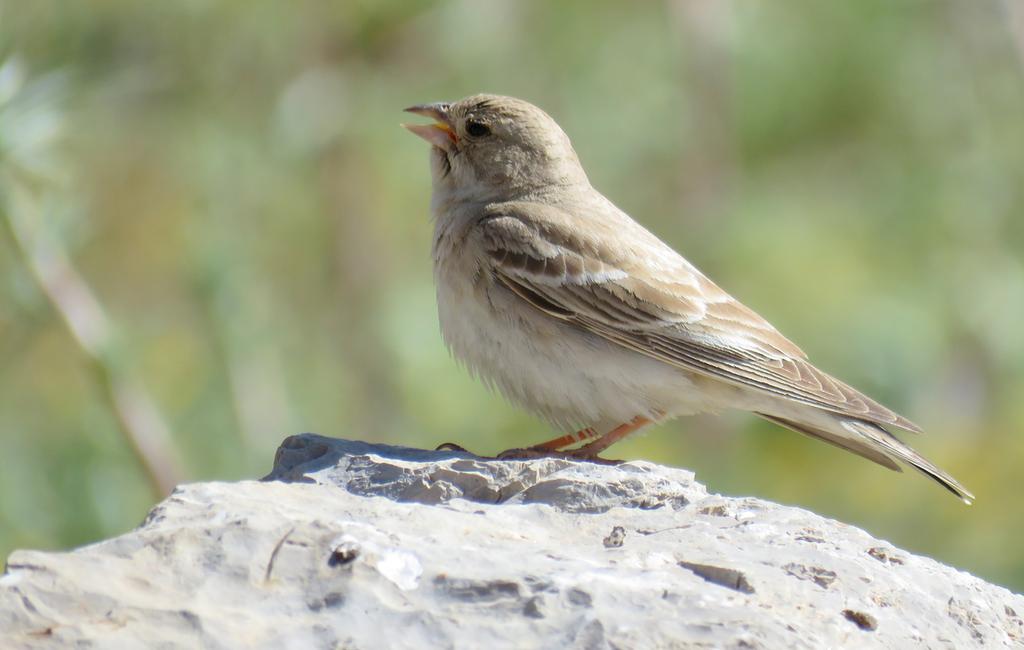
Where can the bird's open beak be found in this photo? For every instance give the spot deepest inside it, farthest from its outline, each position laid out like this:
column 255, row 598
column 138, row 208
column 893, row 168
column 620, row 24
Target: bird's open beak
column 440, row 133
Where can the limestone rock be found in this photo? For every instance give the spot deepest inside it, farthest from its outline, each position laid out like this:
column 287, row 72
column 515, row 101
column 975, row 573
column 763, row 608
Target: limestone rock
column 353, row 545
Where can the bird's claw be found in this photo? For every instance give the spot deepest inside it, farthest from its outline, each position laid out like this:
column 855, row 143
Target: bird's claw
column 526, row 453
column 451, row 446
column 529, row 453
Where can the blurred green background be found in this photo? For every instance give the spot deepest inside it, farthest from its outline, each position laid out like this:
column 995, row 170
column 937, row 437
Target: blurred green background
column 218, row 197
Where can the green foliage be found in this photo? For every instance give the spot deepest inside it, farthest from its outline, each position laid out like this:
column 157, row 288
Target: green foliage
column 231, row 181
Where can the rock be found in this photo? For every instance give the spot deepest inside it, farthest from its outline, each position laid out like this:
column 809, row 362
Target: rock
column 353, row 545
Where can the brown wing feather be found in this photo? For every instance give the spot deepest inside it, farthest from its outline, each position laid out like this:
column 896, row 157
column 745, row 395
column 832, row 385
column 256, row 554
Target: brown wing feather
column 677, row 316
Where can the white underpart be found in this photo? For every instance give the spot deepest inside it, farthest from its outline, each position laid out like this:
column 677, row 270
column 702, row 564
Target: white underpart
column 571, row 377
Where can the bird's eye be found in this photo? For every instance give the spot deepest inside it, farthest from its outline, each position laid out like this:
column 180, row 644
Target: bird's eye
column 476, row 129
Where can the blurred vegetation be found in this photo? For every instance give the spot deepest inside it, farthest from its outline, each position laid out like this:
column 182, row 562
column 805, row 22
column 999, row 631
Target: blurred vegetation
column 227, row 185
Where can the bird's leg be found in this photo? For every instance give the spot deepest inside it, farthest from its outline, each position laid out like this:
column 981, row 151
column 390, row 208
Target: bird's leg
column 553, row 448
column 533, row 451
column 566, row 440
column 549, row 448
column 590, row 451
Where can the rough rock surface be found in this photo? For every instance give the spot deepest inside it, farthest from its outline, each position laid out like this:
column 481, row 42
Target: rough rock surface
column 352, row 545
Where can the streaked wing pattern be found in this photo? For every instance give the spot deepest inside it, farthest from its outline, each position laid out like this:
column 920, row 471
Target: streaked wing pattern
column 670, row 312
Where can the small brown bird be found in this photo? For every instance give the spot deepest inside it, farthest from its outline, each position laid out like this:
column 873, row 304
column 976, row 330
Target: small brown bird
column 573, row 310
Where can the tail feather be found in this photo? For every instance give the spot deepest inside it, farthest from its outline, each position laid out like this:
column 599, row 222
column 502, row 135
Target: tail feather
column 893, row 446
column 849, row 444
column 873, row 442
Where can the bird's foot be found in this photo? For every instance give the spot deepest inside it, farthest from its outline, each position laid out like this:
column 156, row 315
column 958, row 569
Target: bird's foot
column 581, row 455
column 539, row 451
column 526, row 453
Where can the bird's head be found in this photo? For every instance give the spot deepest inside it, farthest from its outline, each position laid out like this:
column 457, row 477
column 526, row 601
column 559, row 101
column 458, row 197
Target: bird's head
column 489, row 147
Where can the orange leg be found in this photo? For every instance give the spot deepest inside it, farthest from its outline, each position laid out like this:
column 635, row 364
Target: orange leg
column 539, row 449
column 586, row 452
column 553, row 447
column 566, row 440
column 590, row 451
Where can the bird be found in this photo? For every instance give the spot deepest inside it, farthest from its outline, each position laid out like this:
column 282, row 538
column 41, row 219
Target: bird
column 553, row 296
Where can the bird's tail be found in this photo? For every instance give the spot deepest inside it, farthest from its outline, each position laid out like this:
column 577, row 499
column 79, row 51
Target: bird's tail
column 872, row 441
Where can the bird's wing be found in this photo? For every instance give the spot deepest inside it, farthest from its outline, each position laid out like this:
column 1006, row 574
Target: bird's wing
column 645, row 297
